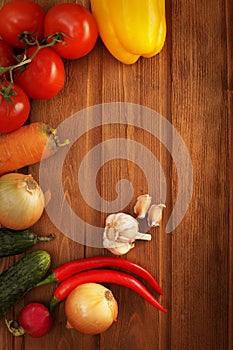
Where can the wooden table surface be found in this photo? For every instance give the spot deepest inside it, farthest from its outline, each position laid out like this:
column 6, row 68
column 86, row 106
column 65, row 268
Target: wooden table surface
column 190, row 84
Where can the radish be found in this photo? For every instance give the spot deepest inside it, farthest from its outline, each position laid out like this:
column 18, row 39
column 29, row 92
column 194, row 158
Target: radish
column 34, row 319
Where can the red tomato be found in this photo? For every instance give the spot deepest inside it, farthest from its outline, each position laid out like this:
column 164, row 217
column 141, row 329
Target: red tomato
column 14, row 107
column 6, row 54
column 78, row 25
column 20, row 16
column 44, row 77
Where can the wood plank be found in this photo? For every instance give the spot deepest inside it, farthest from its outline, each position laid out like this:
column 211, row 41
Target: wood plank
column 200, row 297
column 229, row 14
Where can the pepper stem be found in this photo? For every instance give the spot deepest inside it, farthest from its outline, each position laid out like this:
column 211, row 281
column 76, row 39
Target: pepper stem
column 53, row 302
column 48, row 280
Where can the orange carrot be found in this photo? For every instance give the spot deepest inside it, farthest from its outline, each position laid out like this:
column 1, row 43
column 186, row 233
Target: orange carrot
column 27, row 145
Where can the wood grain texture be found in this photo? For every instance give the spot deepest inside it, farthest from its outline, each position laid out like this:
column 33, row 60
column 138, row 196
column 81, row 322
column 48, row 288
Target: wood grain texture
column 190, row 83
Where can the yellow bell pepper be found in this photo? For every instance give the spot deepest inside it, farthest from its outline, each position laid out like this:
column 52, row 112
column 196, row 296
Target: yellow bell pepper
column 131, row 28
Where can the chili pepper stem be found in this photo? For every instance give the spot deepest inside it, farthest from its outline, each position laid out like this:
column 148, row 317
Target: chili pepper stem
column 48, row 280
column 53, row 303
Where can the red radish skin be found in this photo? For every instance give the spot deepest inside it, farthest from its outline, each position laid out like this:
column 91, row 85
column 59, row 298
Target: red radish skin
column 35, row 319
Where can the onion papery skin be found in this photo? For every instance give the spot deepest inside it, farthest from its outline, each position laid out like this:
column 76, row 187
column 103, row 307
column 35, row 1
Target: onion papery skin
column 91, row 308
column 21, row 201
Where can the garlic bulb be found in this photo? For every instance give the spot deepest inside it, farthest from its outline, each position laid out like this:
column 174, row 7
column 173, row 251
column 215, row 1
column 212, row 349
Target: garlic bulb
column 121, row 230
column 155, row 214
column 142, row 205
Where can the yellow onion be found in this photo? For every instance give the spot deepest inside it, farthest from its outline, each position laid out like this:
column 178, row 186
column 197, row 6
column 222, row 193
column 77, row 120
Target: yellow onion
column 91, row 308
column 21, row 201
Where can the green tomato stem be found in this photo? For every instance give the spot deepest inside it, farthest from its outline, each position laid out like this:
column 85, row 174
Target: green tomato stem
column 11, row 68
column 56, row 38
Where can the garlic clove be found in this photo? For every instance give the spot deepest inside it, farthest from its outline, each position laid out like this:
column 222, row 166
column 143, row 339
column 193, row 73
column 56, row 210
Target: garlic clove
column 121, row 249
column 117, row 248
column 111, row 233
column 142, row 205
column 120, row 221
column 155, row 214
column 108, row 243
column 128, row 234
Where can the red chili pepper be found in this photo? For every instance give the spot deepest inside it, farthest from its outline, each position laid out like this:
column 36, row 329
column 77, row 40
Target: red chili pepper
column 102, row 276
column 73, row 267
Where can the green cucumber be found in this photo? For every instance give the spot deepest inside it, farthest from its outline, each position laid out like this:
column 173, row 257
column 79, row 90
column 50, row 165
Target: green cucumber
column 19, row 278
column 17, row 242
